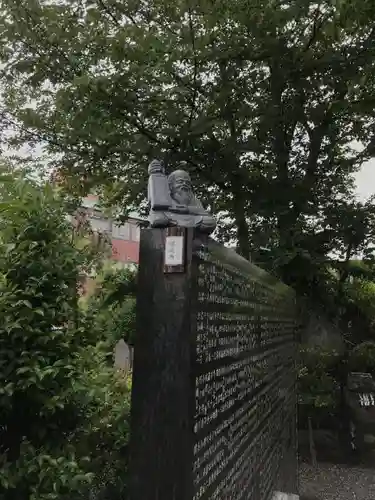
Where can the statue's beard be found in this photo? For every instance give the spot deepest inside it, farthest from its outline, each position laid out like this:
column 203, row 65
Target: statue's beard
column 183, row 196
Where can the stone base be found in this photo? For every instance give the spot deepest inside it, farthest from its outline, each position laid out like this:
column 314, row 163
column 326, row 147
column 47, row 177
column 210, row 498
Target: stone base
column 280, row 495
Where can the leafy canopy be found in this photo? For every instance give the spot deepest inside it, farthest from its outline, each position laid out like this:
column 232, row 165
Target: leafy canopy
column 263, row 100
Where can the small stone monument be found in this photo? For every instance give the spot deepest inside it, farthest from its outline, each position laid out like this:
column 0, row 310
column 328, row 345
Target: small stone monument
column 172, row 201
column 122, row 356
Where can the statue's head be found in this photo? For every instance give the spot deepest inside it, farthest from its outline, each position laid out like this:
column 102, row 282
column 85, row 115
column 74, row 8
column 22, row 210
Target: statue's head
column 180, row 187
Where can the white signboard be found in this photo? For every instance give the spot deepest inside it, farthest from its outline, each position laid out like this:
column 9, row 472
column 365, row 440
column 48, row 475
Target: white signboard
column 174, row 250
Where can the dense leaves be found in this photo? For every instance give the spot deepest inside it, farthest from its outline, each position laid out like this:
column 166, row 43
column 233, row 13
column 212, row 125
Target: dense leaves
column 362, row 358
column 263, row 100
column 317, row 384
column 110, row 310
column 63, row 410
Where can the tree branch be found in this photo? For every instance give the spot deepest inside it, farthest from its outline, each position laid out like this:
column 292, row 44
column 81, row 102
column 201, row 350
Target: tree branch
column 113, row 17
column 195, row 91
column 317, row 25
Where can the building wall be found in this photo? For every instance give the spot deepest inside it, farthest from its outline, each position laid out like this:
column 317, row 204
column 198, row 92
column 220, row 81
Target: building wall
column 124, row 237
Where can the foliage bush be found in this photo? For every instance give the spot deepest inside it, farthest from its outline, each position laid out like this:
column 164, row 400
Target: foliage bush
column 63, row 411
column 317, row 379
column 360, row 292
column 362, row 358
column 110, row 310
column 103, row 436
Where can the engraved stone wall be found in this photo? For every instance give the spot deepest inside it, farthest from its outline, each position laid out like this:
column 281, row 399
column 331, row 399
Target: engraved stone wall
column 245, row 381
column 214, row 397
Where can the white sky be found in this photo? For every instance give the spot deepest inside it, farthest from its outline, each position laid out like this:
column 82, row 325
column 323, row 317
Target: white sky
column 366, row 180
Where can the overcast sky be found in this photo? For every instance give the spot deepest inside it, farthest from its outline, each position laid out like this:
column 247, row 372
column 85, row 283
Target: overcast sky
column 365, row 177
column 366, row 180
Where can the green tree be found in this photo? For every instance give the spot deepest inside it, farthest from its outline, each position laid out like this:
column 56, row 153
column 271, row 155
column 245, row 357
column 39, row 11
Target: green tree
column 54, row 386
column 262, row 100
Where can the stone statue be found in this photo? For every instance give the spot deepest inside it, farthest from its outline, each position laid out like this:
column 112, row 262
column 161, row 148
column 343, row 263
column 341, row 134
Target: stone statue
column 172, row 201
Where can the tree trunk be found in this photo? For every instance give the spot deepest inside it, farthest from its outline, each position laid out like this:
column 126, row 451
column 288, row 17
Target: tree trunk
column 312, row 444
column 243, row 236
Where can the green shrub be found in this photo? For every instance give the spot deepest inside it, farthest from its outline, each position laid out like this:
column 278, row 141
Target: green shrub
column 63, row 411
column 362, row 358
column 317, row 382
column 110, row 311
column 103, row 436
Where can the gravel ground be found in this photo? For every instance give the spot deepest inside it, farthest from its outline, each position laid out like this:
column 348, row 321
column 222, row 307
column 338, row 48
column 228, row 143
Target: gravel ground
column 336, row 482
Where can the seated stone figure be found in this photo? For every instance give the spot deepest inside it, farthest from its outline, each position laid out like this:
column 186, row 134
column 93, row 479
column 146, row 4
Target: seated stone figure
column 172, row 201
